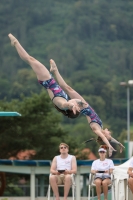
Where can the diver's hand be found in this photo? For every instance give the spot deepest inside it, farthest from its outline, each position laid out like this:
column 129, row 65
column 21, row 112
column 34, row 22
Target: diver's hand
column 121, row 147
column 81, row 103
column 111, row 149
column 74, row 106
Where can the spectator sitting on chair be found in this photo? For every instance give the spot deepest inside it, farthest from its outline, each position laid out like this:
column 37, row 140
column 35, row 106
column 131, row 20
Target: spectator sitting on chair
column 102, row 168
column 130, row 172
column 65, row 162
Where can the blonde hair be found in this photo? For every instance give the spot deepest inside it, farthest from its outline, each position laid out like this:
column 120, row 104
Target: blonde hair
column 64, row 145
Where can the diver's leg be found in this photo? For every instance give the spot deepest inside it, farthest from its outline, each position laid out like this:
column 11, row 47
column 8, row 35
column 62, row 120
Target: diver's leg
column 71, row 92
column 40, row 70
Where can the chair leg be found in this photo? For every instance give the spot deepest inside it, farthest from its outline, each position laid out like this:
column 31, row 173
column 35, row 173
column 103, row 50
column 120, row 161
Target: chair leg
column 73, row 192
column 48, row 193
column 127, row 192
column 92, row 193
column 89, row 192
column 53, row 196
column 112, row 192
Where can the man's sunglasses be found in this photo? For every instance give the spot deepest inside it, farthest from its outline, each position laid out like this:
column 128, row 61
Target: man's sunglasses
column 63, row 147
column 101, row 151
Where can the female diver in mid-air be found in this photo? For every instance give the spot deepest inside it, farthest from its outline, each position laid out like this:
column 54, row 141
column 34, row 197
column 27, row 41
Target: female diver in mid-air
column 88, row 111
column 59, row 94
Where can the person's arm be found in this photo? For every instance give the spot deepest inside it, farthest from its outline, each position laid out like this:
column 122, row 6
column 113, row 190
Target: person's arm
column 93, row 167
column 107, row 134
column 116, row 142
column 101, row 135
column 53, row 169
column 130, row 169
column 111, row 167
column 97, row 129
column 71, row 105
column 74, row 167
column 94, row 171
column 111, row 171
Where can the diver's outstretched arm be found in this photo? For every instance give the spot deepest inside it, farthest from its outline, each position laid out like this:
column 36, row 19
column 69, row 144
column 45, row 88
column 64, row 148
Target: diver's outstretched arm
column 105, row 140
column 98, row 130
column 116, row 142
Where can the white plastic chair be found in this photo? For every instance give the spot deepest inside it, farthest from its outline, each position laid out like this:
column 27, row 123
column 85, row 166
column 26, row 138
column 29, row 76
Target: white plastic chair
column 121, row 188
column 129, row 194
column 92, row 185
column 73, row 186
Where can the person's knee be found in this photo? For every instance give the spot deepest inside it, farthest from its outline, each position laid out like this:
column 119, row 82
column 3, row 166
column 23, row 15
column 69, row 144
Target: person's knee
column 30, row 59
column 97, row 182
column 52, row 178
column 104, row 183
column 68, row 177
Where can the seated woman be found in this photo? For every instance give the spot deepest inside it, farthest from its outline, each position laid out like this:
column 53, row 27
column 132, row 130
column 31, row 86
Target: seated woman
column 59, row 94
column 102, row 168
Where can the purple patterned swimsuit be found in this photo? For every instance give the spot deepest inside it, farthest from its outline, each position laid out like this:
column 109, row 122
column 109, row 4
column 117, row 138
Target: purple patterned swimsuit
column 54, row 87
column 92, row 114
column 58, row 92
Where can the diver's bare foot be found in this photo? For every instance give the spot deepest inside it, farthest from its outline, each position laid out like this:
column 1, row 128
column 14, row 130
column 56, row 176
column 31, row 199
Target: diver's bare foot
column 13, row 39
column 53, row 66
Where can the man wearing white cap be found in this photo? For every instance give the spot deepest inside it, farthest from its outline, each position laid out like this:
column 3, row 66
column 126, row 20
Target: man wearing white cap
column 102, row 168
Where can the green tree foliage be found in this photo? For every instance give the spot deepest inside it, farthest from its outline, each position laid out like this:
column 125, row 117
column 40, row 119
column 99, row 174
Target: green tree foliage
column 38, row 128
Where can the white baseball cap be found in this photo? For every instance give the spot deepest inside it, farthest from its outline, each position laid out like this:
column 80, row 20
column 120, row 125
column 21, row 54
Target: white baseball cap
column 102, row 149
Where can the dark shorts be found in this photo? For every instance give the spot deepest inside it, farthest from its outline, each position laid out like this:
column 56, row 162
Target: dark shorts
column 92, row 114
column 102, row 176
column 52, row 85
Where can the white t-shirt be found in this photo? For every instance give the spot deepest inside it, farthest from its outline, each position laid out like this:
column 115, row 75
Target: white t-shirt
column 102, row 165
column 64, row 163
column 131, row 163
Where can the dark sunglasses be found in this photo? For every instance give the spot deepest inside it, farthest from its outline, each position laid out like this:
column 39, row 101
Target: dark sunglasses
column 62, row 147
column 101, row 151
